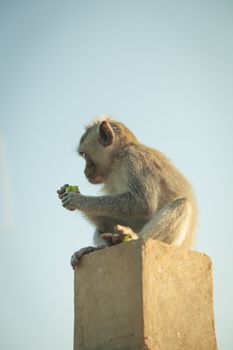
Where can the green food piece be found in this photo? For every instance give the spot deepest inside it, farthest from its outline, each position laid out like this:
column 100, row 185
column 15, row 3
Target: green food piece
column 127, row 238
column 72, row 189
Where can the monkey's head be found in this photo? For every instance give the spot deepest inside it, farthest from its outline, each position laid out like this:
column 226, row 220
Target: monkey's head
column 99, row 146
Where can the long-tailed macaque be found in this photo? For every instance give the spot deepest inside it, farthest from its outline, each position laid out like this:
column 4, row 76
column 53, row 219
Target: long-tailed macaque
column 145, row 196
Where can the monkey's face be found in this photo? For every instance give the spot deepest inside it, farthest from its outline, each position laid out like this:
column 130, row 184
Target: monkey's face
column 93, row 171
column 97, row 148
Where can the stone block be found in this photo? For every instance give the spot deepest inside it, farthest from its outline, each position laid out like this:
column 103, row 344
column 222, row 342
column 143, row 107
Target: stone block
column 144, row 295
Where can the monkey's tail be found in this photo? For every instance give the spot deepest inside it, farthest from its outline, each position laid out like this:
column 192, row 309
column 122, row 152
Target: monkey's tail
column 173, row 224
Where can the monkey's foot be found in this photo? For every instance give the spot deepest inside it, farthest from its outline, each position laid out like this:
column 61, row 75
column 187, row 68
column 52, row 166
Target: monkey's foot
column 75, row 258
column 121, row 234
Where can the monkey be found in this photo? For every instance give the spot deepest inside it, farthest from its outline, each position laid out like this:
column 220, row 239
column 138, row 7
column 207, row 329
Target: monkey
column 144, row 194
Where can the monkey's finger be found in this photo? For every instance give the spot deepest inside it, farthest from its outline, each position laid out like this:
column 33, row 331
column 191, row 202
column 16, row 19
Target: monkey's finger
column 61, row 195
column 106, row 236
column 62, row 189
column 121, row 230
column 101, row 246
column 117, row 238
column 59, row 191
column 84, row 251
column 68, row 203
column 65, row 200
column 69, row 206
column 126, row 232
column 74, row 261
column 77, row 255
column 65, row 194
column 75, row 258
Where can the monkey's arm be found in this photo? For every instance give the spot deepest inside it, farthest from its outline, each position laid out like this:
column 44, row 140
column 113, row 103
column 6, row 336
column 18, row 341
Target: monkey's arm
column 123, row 204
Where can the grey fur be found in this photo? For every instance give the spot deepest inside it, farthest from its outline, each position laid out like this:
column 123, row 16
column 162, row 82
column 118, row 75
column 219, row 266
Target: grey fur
column 142, row 189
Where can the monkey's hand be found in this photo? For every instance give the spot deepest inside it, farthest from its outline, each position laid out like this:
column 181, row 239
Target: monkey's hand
column 121, row 234
column 62, row 190
column 69, row 199
column 78, row 255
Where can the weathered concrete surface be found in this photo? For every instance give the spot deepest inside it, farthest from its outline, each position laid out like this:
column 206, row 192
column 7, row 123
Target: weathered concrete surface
column 144, row 295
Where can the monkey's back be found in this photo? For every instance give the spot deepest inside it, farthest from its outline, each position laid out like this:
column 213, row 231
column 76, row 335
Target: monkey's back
column 151, row 173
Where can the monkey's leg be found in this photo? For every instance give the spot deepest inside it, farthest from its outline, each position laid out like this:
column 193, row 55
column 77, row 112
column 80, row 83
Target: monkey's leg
column 171, row 224
column 75, row 258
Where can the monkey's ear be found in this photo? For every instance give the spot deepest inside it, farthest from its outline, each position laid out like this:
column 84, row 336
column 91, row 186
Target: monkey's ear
column 106, row 134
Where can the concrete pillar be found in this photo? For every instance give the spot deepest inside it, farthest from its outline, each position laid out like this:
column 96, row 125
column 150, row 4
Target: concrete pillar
column 144, row 295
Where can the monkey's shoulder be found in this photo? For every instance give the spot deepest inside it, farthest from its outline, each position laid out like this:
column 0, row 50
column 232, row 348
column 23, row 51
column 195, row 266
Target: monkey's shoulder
column 147, row 166
column 139, row 155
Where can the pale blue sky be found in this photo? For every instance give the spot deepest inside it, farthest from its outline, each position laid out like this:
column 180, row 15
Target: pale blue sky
column 164, row 68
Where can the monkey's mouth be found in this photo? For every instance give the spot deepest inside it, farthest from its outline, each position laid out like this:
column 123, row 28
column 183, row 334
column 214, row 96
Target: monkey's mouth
column 95, row 180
